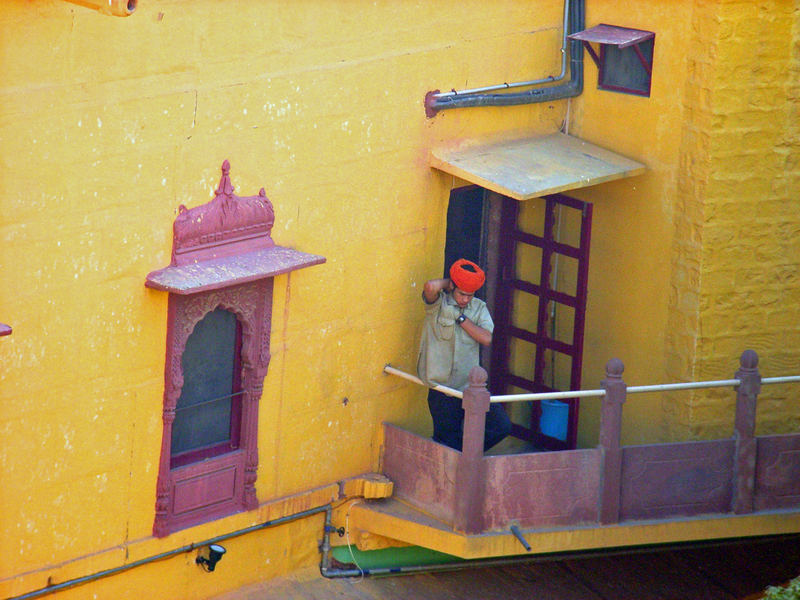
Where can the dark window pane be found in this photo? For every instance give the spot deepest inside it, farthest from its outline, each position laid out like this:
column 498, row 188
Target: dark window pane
column 203, row 411
column 623, row 71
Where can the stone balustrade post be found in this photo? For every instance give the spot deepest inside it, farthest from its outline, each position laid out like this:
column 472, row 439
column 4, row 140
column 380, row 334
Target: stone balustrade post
column 611, row 451
column 470, row 473
column 744, row 432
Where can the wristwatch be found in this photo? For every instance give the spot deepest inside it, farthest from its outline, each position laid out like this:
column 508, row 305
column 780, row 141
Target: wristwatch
column 461, row 318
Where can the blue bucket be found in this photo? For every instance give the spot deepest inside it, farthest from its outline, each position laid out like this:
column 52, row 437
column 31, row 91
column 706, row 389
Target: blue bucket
column 555, row 417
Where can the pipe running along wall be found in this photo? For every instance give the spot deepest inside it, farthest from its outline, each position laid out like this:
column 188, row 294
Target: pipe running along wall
column 183, row 549
column 435, row 101
column 528, row 83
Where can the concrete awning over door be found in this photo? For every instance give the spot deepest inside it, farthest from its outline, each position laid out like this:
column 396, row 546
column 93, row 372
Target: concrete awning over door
column 531, row 167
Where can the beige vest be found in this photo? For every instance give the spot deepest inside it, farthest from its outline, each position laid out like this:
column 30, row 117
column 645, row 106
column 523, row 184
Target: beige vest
column 447, row 353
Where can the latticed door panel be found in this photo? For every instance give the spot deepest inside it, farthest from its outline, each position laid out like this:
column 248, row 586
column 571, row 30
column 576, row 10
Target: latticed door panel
column 540, row 310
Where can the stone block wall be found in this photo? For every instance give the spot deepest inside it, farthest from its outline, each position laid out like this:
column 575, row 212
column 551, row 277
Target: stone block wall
column 736, row 278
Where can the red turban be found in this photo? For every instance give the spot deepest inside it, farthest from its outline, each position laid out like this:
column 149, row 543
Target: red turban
column 467, row 276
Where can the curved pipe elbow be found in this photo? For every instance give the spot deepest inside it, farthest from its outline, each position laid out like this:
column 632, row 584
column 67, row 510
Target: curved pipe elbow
column 434, row 102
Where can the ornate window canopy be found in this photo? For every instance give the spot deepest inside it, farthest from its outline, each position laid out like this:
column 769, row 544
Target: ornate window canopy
column 226, row 242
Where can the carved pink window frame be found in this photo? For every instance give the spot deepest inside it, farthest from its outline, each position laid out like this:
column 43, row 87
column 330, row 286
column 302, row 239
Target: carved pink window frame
column 223, row 256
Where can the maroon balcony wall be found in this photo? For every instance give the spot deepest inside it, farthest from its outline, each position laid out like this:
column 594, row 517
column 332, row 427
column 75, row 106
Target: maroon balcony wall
column 608, row 484
column 683, row 479
column 547, row 488
column 423, row 472
column 777, row 480
column 562, row 488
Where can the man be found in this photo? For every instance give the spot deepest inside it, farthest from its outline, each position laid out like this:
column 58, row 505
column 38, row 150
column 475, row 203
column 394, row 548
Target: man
column 456, row 325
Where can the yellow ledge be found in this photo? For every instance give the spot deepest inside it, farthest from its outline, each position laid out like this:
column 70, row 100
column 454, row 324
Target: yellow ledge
column 393, row 519
column 369, row 485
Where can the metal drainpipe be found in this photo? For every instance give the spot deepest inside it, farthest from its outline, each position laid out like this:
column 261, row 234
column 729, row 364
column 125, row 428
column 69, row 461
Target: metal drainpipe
column 188, row 548
column 434, row 101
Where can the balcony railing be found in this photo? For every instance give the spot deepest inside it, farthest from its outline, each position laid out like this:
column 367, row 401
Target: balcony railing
column 611, row 483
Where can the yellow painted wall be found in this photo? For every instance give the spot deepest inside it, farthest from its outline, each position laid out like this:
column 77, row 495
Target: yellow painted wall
column 697, row 260
column 632, row 232
column 749, row 281
column 108, row 124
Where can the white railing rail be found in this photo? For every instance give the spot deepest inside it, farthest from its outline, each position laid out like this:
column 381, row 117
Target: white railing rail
column 390, row 370
column 634, row 389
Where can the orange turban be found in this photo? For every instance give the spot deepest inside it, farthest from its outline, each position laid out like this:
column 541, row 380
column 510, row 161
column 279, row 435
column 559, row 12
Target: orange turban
column 467, row 276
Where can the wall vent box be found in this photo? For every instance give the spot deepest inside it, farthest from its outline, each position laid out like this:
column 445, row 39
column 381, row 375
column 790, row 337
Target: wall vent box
column 625, row 60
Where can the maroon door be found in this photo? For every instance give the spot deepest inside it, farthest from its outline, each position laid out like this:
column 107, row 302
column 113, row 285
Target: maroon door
column 538, row 338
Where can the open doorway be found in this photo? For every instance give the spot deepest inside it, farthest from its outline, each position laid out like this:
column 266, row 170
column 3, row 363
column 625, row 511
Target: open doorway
column 536, row 255
column 466, row 229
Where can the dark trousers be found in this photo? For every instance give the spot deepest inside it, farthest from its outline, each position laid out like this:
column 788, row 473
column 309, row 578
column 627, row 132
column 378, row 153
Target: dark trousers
column 448, row 421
